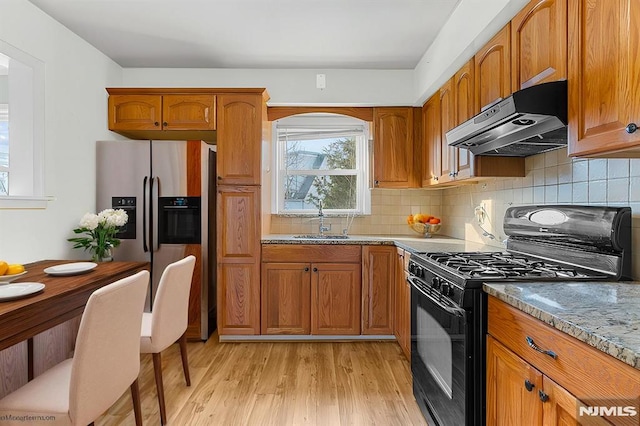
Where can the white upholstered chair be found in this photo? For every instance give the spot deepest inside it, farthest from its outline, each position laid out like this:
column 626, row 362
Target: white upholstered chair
column 167, row 322
column 106, row 362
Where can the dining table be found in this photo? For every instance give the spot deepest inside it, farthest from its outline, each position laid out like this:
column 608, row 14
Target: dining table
column 63, row 297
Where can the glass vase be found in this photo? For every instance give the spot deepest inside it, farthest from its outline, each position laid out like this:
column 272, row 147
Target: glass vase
column 106, row 256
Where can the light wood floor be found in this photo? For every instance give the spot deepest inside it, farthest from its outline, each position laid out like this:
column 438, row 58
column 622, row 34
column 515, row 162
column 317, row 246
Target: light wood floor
column 345, row 383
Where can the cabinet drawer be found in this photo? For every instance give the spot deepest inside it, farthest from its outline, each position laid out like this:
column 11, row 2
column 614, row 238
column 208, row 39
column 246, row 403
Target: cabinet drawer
column 581, row 369
column 311, row 253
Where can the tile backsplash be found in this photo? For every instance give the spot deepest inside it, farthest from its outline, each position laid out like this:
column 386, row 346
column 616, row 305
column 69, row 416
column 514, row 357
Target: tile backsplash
column 551, row 178
column 389, row 211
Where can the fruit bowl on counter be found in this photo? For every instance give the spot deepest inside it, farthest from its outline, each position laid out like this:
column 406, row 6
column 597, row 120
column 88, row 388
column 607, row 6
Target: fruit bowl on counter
column 426, row 229
column 424, row 224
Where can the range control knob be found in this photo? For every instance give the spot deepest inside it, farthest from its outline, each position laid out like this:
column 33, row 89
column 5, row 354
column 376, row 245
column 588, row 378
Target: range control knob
column 436, row 282
column 419, row 272
column 446, row 289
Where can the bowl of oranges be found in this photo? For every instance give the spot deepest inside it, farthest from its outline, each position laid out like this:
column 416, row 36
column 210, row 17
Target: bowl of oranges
column 9, row 272
column 424, row 224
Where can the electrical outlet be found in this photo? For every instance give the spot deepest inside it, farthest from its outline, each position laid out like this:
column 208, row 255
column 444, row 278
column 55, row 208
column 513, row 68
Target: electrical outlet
column 480, row 213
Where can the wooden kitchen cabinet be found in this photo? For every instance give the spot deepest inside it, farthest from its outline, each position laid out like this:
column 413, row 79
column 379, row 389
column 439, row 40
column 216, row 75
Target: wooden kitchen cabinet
column 447, row 122
column 431, row 143
column 604, row 111
column 402, row 302
column 378, row 277
column 528, row 387
column 393, row 148
column 148, row 114
column 493, row 70
column 335, row 298
column 238, row 257
column 286, row 298
column 464, row 95
column 539, row 43
column 239, row 138
column 311, row 289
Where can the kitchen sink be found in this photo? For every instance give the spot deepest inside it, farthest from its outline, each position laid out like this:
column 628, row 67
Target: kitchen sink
column 322, row 237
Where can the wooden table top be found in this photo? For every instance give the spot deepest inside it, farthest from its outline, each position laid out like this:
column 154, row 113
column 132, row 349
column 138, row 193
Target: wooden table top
column 63, row 297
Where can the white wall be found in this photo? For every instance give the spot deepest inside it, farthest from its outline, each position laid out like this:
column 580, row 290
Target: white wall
column 290, row 86
column 76, row 75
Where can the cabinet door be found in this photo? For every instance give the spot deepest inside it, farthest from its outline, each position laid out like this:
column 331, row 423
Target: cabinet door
column 286, row 298
column 604, row 40
column 512, row 388
column 238, row 224
column 335, row 298
column 493, row 70
column 239, row 139
column 465, row 109
column 447, row 122
column 393, row 147
column 188, row 112
column 378, row 276
column 402, row 302
column 135, row 112
column 539, row 43
column 561, row 408
column 432, row 148
column 238, row 291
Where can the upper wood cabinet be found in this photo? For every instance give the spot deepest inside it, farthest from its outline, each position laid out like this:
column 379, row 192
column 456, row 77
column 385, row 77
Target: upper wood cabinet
column 493, row 70
column 539, row 43
column 239, row 138
column 378, row 276
column 393, row 148
column 604, row 78
column 169, row 116
column 447, row 122
column 464, row 89
column 431, row 146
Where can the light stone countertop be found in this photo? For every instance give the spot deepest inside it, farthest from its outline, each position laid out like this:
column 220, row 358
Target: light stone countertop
column 605, row 315
column 437, row 243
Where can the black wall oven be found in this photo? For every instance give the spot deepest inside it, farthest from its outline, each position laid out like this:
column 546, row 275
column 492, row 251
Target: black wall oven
column 179, row 220
column 449, row 308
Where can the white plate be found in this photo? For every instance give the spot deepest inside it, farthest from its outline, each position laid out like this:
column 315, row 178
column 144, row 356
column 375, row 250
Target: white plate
column 19, row 290
column 8, row 278
column 70, row 268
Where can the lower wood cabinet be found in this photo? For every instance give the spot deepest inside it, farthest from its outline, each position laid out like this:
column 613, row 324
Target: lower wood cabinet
column 311, row 289
column 526, row 386
column 378, row 277
column 402, row 303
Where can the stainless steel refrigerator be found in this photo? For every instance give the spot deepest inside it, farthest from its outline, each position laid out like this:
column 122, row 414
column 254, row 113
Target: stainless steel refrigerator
column 149, row 180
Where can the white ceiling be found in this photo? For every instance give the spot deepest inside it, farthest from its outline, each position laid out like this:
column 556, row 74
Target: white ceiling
column 269, row 34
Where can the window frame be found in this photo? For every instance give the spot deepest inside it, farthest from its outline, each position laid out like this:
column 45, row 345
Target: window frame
column 322, row 121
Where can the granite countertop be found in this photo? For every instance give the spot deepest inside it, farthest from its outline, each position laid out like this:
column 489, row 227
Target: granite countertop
column 605, row 315
column 436, row 243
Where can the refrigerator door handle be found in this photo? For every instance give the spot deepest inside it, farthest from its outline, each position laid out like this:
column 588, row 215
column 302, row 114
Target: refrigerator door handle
column 145, row 247
column 153, row 221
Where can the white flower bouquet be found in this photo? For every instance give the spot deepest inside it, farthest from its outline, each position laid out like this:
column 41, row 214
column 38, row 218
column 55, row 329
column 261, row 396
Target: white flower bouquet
column 100, row 231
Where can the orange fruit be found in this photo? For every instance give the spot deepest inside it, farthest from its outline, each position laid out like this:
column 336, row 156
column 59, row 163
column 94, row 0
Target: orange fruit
column 434, row 221
column 3, row 267
column 409, row 220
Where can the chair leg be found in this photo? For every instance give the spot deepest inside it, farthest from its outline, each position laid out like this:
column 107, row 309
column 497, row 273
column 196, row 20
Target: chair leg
column 135, row 397
column 183, row 354
column 157, row 367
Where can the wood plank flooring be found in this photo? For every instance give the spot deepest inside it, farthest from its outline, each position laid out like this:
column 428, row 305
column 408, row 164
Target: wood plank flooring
column 278, row 383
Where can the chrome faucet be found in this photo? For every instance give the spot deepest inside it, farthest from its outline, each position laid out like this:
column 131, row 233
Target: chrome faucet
column 321, row 228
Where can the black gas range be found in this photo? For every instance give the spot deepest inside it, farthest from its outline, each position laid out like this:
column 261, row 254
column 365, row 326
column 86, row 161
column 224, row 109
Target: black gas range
column 448, row 318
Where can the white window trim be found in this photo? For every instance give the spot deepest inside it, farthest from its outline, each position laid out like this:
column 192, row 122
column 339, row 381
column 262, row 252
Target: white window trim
column 36, row 198
column 319, row 121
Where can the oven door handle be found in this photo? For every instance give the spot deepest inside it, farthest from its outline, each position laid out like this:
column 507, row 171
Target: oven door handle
column 459, row 312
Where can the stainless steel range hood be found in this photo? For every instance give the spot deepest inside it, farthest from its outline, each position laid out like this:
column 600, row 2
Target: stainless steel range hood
column 530, row 121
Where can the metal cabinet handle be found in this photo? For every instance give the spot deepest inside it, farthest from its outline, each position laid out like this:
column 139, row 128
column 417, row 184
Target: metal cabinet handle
column 631, row 128
column 164, row 123
column 306, row 269
column 376, row 182
column 156, row 123
column 435, row 178
column 315, row 269
column 543, row 396
column 529, row 385
column 535, row 347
